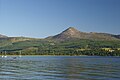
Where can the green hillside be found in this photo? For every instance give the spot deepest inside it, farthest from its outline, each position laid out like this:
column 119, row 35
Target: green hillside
column 69, row 42
column 51, row 47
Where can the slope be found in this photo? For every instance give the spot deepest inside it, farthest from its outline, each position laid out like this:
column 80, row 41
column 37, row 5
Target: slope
column 72, row 34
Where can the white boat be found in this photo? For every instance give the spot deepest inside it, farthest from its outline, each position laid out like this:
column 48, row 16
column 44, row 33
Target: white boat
column 4, row 56
column 20, row 54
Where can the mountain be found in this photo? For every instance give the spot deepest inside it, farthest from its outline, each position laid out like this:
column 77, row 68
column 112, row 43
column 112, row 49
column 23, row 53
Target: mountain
column 69, row 42
column 117, row 36
column 68, row 33
column 71, row 33
column 3, row 36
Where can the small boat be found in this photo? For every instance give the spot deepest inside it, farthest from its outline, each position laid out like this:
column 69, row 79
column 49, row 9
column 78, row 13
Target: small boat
column 20, row 54
column 4, row 56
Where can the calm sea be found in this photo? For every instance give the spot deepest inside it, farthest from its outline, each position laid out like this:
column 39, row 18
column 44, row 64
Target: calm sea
column 60, row 68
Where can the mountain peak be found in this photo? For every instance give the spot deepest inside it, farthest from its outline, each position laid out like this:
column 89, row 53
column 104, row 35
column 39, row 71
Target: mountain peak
column 71, row 31
column 71, row 28
column 71, row 34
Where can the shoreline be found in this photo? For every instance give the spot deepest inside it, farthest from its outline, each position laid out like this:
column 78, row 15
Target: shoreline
column 45, row 55
column 55, row 55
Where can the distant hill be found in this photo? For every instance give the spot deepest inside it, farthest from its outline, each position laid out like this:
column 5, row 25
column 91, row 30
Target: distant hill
column 72, row 33
column 3, row 36
column 116, row 36
column 69, row 42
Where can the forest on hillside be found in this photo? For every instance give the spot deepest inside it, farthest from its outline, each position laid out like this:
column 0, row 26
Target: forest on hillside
column 72, row 48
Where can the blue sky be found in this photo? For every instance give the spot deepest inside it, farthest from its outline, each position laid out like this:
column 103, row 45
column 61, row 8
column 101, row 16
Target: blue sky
column 42, row 18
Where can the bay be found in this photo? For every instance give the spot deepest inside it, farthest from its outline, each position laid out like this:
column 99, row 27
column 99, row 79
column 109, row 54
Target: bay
column 60, row 68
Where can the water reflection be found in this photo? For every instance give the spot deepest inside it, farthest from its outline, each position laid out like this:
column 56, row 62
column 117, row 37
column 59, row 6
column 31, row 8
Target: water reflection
column 60, row 68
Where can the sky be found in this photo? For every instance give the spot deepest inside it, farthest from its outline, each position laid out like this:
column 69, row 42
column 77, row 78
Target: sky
column 43, row 18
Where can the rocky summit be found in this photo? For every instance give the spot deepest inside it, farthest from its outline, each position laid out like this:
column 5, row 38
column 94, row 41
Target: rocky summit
column 72, row 33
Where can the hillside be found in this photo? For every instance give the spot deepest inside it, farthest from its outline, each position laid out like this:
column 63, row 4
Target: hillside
column 72, row 33
column 3, row 36
column 69, row 42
